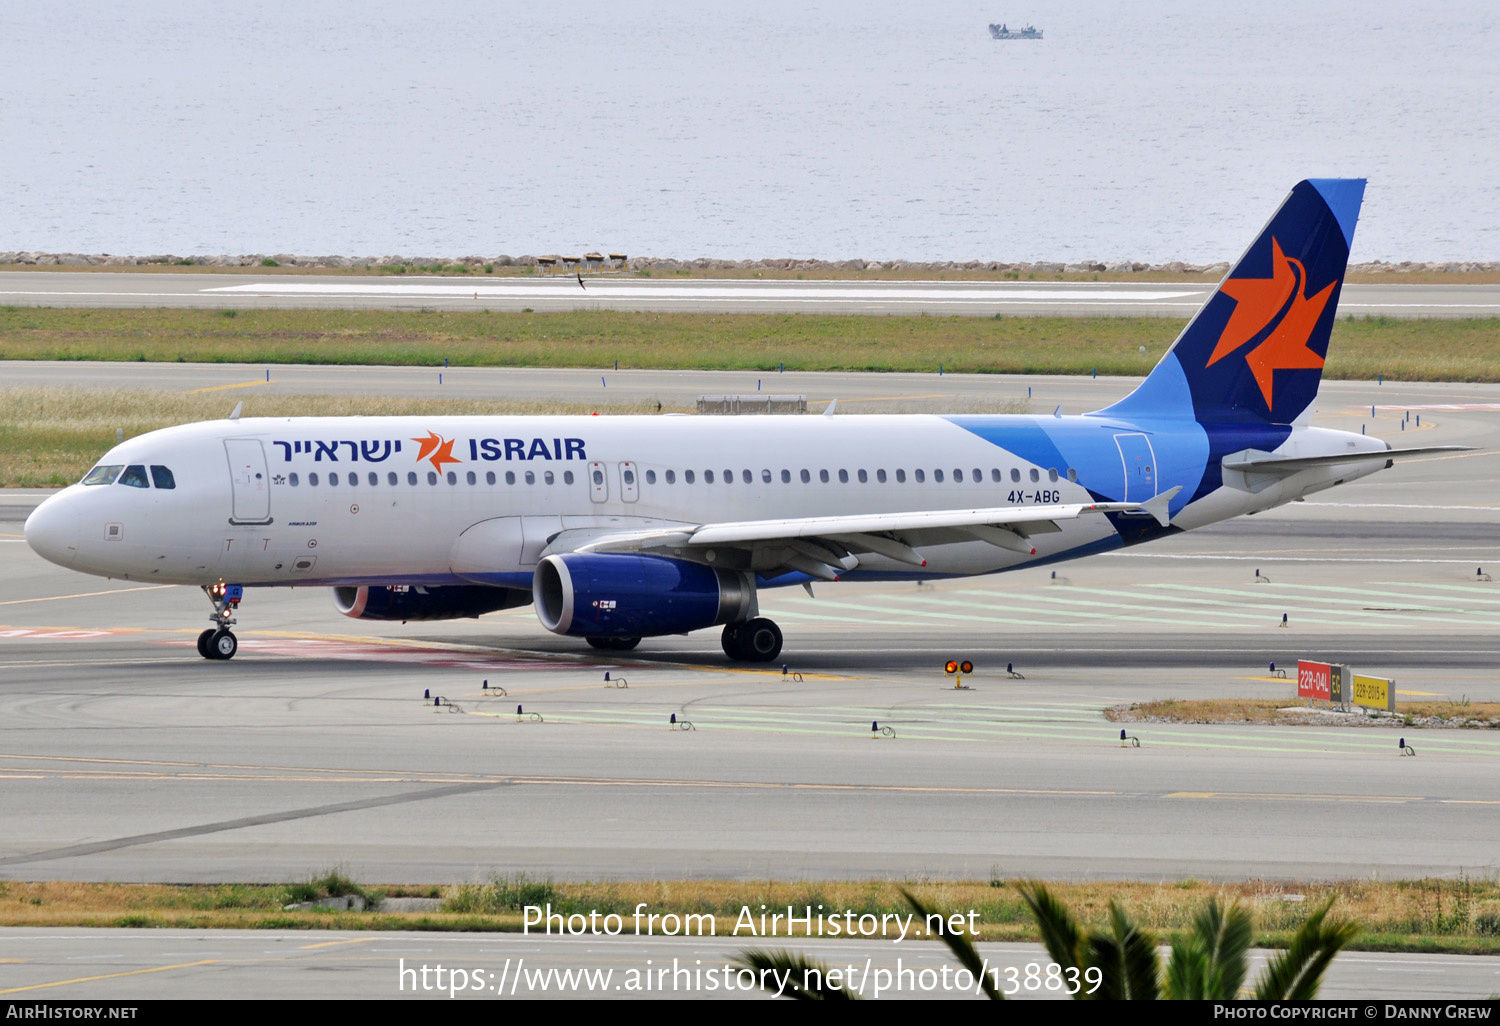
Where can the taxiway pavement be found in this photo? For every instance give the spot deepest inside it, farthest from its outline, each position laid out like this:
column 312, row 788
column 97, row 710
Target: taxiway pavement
column 630, row 292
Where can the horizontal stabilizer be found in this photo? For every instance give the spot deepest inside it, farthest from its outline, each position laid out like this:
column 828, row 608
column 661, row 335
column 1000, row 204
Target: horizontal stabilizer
column 1254, row 462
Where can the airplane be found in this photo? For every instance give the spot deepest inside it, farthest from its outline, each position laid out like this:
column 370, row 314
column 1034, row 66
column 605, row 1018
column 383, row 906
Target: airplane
column 623, row 528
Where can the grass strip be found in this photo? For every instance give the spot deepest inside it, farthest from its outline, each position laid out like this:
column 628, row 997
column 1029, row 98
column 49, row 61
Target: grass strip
column 1286, row 711
column 1362, row 347
column 1435, row 915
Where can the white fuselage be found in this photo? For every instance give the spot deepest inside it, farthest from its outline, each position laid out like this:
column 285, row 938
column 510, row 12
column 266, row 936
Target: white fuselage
column 443, row 500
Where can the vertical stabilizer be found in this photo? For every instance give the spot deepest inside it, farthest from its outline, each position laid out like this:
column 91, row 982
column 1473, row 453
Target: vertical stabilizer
column 1255, row 351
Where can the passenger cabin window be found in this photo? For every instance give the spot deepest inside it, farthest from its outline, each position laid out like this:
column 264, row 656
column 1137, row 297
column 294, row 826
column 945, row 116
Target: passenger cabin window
column 823, row 476
column 765, row 476
column 1015, row 474
column 489, row 477
column 510, row 477
column 901, row 477
column 1034, row 475
column 102, row 475
column 651, row 477
column 292, row 479
column 786, row 477
column 745, row 476
column 312, row 479
column 937, row 475
column 135, row 477
column 411, row 477
column 688, row 476
column 994, row 474
column 162, row 477
column 568, row 477
column 432, row 477
column 472, row 477
column 843, row 476
column 1052, row 474
column 1072, row 474
column 546, row 476
column 863, row 477
column 919, row 475
column 375, row 479
column 391, row 479
column 671, row 477
column 530, row 477
column 880, row 476
column 708, row 477
column 806, row 477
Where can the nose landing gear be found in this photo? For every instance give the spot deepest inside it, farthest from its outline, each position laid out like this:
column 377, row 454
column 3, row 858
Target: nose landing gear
column 219, row 642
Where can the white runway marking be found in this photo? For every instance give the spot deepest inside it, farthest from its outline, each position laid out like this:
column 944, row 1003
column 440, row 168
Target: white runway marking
column 607, row 290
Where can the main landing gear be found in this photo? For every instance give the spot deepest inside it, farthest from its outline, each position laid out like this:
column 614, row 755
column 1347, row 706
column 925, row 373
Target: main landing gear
column 754, row 641
column 219, row 642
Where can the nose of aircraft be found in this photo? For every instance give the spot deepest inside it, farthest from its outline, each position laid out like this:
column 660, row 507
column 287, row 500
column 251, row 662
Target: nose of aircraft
column 52, row 531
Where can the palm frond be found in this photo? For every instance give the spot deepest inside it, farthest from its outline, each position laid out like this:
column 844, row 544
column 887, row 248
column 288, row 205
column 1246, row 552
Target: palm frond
column 963, row 949
column 1134, row 961
column 1187, row 970
column 806, row 978
column 1061, row 934
column 1297, row 973
column 1226, row 935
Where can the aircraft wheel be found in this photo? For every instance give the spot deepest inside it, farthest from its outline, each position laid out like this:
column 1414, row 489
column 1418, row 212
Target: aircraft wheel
column 759, row 640
column 613, row 644
column 223, row 645
column 203, row 643
column 731, row 641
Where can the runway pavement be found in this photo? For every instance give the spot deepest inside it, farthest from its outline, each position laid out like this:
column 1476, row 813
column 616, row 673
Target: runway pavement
column 632, row 292
column 126, row 757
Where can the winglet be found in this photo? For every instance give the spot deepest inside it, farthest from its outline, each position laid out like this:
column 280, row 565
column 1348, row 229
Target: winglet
column 1158, row 507
column 235, row 415
column 828, row 410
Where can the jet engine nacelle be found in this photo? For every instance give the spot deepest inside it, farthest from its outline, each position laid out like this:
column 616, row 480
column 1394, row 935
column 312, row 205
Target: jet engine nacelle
column 416, row 602
column 620, row 595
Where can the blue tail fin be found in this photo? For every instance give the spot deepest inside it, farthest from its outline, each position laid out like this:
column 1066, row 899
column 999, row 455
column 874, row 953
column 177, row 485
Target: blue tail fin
column 1255, row 350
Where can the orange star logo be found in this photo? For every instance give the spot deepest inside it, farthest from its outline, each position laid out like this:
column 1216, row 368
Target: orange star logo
column 1279, row 301
column 436, row 447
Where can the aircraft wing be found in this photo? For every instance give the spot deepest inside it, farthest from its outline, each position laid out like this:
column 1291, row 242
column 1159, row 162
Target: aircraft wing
column 826, row 547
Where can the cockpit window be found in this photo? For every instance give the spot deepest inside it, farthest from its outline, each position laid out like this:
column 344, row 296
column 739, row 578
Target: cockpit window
column 102, row 475
column 135, row 476
column 162, row 477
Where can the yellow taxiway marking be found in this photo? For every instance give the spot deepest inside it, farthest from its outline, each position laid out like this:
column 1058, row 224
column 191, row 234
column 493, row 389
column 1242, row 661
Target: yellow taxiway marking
column 1424, row 694
column 12, row 536
column 85, row 594
column 12, row 961
column 220, row 388
column 333, row 944
column 1269, row 680
column 109, row 976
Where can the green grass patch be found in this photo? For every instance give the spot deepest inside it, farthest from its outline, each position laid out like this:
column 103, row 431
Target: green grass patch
column 1435, row 915
column 1408, row 350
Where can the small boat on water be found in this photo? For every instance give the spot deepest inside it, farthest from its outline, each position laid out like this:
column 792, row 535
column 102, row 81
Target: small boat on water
column 1004, row 32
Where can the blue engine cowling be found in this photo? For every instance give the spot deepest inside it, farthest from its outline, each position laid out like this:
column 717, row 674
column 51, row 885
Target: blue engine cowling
column 416, row 602
column 618, row 595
